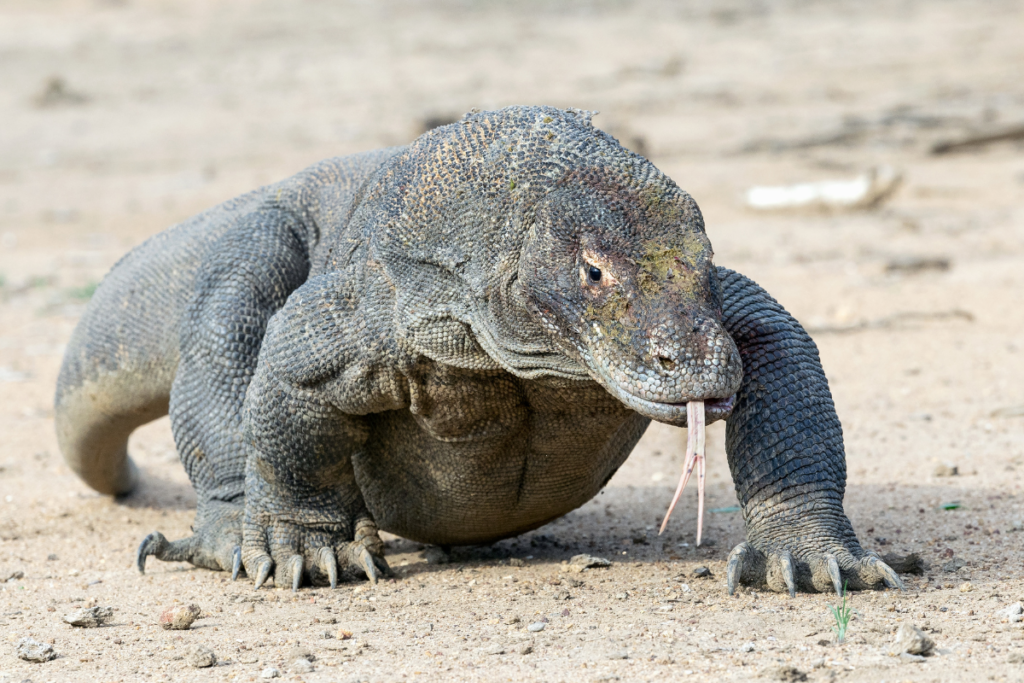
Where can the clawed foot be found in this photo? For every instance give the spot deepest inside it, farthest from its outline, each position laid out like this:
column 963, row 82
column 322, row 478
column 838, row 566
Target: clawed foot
column 298, row 553
column 215, row 542
column 813, row 572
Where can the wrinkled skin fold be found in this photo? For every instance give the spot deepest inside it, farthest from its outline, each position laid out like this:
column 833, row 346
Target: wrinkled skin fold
column 455, row 341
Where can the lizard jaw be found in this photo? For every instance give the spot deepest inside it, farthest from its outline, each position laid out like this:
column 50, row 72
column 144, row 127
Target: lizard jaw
column 671, row 413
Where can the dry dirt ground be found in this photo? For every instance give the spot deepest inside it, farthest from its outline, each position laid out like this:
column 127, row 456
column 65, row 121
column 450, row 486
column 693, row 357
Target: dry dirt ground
column 118, row 119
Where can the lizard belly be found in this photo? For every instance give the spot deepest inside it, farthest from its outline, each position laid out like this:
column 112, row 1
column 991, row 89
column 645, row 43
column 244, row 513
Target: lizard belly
column 487, row 456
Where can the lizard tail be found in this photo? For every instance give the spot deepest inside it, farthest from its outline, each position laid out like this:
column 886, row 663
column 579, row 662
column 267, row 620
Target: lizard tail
column 121, row 360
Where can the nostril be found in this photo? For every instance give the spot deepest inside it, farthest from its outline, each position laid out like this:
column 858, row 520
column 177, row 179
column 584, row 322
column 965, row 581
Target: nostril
column 666, row 363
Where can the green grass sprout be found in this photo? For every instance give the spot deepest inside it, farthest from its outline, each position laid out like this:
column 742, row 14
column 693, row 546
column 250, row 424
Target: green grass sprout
column 842, row 615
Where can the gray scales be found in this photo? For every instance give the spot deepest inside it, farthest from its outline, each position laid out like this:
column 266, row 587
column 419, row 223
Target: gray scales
column 455, row 341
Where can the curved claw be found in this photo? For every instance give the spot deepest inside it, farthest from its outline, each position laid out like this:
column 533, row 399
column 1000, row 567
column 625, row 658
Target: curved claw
column 328, row 564
column 788, row 575
column 832, row 567
column 366, row 559
column 236, row 562
column 150, row 545
column 734, row 567
column 263, row 572
column 296, row 571
column 889, row 577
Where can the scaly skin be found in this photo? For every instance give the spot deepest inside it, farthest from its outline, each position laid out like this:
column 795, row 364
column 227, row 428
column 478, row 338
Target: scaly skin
column 455, row 341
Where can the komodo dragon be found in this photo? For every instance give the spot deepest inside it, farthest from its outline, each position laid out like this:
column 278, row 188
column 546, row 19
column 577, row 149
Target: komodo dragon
column 455, row 341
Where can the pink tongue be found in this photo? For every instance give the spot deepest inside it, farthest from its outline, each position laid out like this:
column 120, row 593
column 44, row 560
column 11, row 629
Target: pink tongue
column 694, row 456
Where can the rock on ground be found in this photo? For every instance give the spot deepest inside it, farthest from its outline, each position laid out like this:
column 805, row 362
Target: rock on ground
column 89, row 617
column 200, row 657
column 912, row 641
column 33, row 651
column 180, row 618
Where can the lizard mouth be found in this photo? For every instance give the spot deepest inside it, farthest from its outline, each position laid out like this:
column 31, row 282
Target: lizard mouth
column 672, row 413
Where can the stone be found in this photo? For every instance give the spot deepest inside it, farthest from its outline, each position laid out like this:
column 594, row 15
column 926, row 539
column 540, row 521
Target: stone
column 747, row 647
column 435, row 555
column 180, row 618
column 89, row 617
column 536, row 627
column 342, row 634
column 966, row 587
column 702, row 573
column 581, row 563
column 1013, row 613
column 200, row 657
column 908, row 658
column 32, row 650
column 618, row 654
column 525, row 648
column 302, row 666
column 270, row 672
column 789, row 673
column 947, row 470
column 953, row 565
column 911, row 640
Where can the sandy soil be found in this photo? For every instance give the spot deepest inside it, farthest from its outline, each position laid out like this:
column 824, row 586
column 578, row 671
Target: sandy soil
column 165, row 108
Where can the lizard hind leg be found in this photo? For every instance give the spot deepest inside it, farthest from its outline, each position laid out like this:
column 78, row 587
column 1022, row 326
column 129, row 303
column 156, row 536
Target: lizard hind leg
column 215, row 542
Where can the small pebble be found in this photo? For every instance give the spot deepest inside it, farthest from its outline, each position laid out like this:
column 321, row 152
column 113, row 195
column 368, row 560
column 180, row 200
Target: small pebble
column 789, row 673
column 302, row 666
column 702, row 573
column 32, row 650
column 580, row 563
column 200, row 657
column 1013, row 613
column 966, row 587
column 270, row 672
column 516, row 562
column 89, row 617
column 526, row 649
column 300, row 652
column 342, row 634
column 911, row 640
column 180, row 618
column 435, row 555
column 536, row 627
column 747, row 647
column 947, row 470
column 618, row 654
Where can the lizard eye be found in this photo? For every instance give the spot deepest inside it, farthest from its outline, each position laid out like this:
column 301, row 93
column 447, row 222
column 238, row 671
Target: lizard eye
column 594, row 274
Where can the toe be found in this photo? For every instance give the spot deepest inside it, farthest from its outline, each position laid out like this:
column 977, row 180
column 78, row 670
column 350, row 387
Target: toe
column 746, row 565
column 327, row 563
column 871, row 570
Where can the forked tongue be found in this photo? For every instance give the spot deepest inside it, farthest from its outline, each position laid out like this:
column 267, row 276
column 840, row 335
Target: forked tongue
column 694, row 457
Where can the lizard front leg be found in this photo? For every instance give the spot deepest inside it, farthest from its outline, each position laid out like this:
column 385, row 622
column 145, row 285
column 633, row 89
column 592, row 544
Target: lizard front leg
column 305, row 517
column 245, row 277
column 785, row 449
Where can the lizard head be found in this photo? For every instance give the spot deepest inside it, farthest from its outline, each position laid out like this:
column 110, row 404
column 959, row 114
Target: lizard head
column 621, row 276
